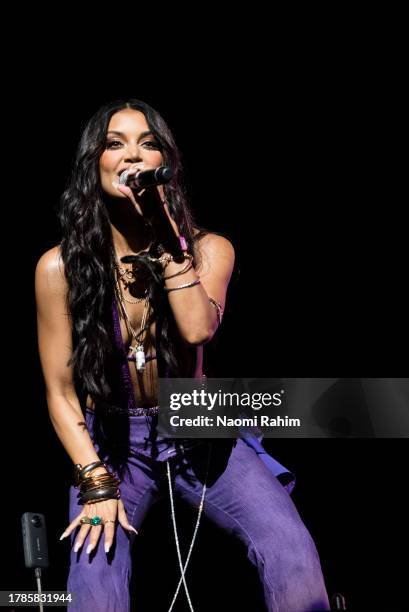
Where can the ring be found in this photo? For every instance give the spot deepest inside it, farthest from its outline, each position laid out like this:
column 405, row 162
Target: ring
column 123, row 177
column 95, row 520
column 109, row 521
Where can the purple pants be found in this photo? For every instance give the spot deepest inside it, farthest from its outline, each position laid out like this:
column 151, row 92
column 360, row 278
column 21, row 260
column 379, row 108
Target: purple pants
column 242, row 497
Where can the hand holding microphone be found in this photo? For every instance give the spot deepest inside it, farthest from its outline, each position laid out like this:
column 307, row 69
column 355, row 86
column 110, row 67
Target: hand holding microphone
column 134, row 180
column 146, row 178
column 151, row 205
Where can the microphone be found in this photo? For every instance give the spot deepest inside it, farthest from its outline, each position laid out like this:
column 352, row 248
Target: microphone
column 147, row 178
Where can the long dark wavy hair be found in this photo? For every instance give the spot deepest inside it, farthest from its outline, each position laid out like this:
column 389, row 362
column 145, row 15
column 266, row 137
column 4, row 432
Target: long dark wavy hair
column 88, row 256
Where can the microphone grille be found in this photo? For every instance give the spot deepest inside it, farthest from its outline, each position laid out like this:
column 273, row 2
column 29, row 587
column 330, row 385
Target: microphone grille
column 164, row 173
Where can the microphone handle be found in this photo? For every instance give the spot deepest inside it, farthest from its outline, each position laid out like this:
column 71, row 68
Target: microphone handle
column 151, row 178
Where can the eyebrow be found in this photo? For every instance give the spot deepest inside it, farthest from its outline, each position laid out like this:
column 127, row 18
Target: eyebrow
column 142, row 135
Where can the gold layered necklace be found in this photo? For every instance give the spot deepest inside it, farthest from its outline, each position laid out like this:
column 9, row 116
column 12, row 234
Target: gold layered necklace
column 136, row 350
column 128, row 277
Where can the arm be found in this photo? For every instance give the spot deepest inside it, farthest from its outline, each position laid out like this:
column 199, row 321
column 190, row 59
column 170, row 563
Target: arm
column 55, row 346
column 195, row 316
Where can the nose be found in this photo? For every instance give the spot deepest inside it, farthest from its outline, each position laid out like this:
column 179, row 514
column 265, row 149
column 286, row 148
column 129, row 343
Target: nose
column 133, row 154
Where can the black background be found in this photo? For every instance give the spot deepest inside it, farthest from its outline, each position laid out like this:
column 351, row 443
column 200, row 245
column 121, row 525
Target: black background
column 289, row 150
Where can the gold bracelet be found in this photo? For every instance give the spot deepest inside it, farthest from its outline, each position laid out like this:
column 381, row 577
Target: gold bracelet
column 96, row 482
column 167, row 258
column 185, row 286
column 80, row 471
column 219, row 309
column 185, row 269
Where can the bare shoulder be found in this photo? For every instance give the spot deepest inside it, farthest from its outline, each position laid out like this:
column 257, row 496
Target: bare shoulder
column 215, row 245
column 215, row 253
column 49, row 274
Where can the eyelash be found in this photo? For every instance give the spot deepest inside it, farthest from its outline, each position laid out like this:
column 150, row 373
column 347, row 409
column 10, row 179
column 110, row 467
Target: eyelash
column 110, row 143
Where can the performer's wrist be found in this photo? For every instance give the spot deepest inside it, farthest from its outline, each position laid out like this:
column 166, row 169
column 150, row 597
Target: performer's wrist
column 172, row 268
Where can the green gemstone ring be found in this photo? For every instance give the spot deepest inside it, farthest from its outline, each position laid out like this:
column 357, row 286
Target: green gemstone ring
column 95, row 520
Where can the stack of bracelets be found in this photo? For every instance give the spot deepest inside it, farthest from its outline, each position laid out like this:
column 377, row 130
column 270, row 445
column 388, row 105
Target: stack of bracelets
column 95, row 488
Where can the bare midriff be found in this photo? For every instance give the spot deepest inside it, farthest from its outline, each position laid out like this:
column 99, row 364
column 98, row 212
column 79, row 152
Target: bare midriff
column 145, row 385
